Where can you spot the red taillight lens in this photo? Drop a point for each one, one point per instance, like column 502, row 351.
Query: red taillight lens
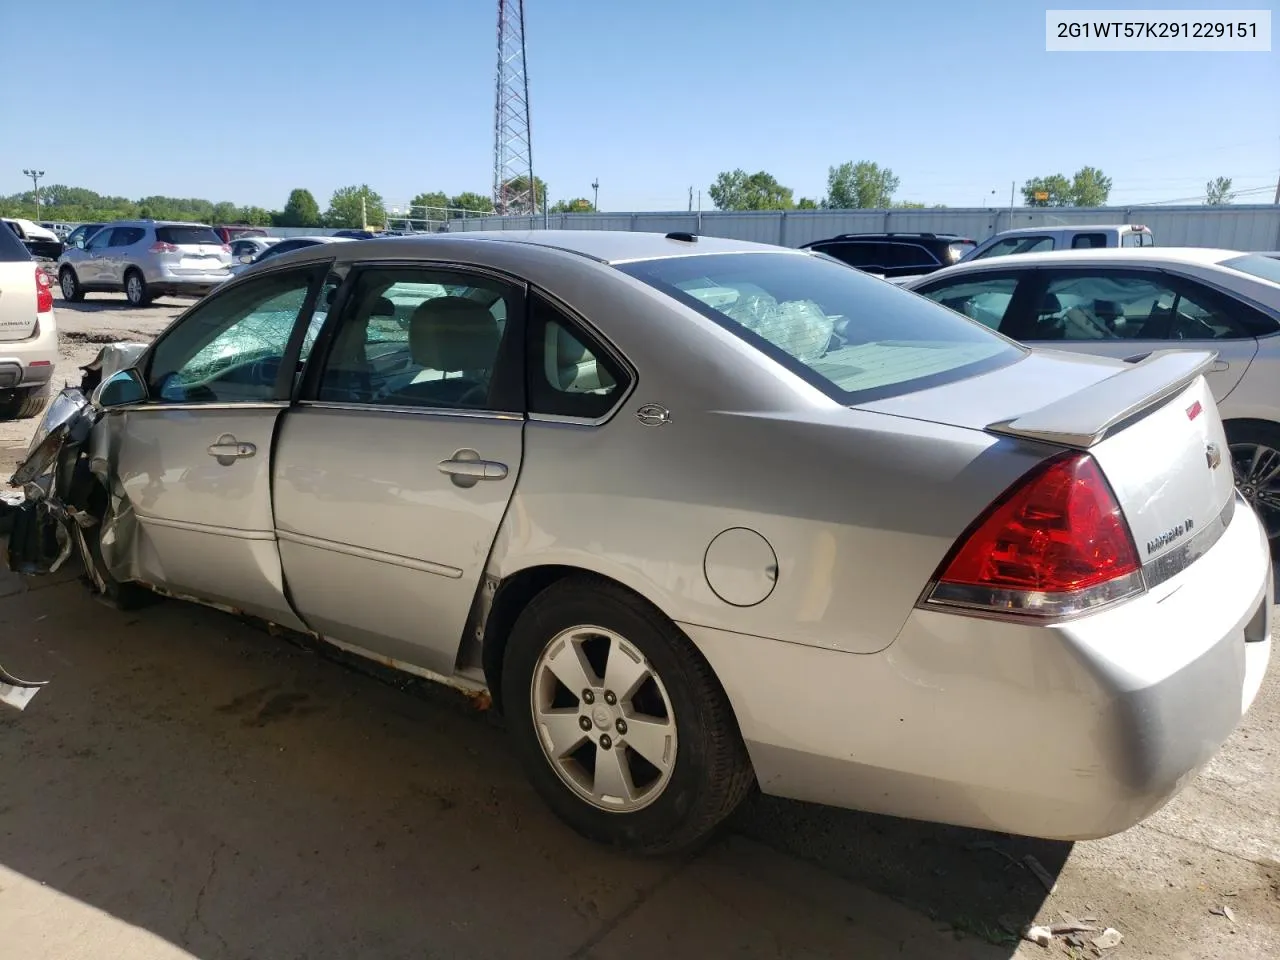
column 44, row 292
column 1056, row 543
column 161, row 247
column 226, row 248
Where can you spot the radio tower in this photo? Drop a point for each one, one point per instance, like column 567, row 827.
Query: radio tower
column 513, row 183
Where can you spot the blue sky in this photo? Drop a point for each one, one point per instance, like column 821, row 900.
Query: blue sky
column 243, row 101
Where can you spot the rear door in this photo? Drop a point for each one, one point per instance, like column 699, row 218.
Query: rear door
column 1127, row 313
column 194, row 460
column 17, row 288
column 394, row 471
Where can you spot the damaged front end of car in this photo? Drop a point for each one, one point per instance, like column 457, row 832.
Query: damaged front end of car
column 62, row 504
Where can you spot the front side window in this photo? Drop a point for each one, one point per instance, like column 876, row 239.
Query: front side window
column 230, row 347
column 1012, row 245
column 852, row 336
column 413, row 337
column 1132, row 305
column 100, row 239
column 1131, row 240
column 569, row 374
column 1256, row 265
column 985, row 299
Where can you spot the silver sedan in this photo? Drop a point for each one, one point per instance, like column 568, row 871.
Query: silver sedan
column 700, row 515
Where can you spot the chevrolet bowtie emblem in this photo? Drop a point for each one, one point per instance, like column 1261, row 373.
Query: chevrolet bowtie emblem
column 1213, row 455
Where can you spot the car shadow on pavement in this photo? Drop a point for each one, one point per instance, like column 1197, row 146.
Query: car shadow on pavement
column 191, row 779
column 107, row 303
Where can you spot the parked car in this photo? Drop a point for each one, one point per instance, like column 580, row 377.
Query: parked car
column 228, row 232
column 1128, row 303
column 698, row 514
column 81, row 234
column 28, row 332
column 246, row 249
column 40, row 243
column 145, row 259
column 1080, row 236
column 288, row 245
column 361, row 234
column 60, row 230
column 891, row 255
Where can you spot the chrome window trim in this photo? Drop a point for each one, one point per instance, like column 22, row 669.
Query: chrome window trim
column 351, row 407
column 157, row 406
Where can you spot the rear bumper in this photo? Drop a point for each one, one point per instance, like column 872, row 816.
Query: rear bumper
column 30, row 362
column 1070, row 732
column 165, row 280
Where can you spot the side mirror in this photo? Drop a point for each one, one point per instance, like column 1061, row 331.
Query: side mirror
column 246, row 258
column 80, row 242
column 121, row 389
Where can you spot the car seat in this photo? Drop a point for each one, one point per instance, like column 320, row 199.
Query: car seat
column 452, row 335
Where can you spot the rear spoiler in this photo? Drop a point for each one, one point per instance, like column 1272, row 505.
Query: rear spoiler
column 1082, row 419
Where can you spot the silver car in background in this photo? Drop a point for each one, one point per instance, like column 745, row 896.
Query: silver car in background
column 145, row 259
column 698, row 514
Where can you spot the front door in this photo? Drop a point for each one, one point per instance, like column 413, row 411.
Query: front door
column 393, row 473
column 1128, row 313
column 113, row 263
column 194, row 460
column 91, row 267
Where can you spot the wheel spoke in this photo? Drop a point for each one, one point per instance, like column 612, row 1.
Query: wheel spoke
column 651, row 737
column 561, row 729
column 613, row 777
column 622, row 672
column 571, row 667
column 1265, row 468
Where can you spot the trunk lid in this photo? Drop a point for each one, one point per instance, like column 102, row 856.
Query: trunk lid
column 17, row 299
column 1153, row 427
column 199, row 250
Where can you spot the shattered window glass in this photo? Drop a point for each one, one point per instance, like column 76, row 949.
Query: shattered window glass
column 229, row 349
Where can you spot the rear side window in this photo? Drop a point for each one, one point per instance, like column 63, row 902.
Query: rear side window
column 570, row 375
column 1087, row 241
column 850, row 335
column 187, row 236
column 12, row 250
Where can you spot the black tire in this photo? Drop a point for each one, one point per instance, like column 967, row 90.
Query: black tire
column 23, row 404
column 1256, row 433
column 137, row 293
column 118, row 594
column 69, row 284
column 711, row 775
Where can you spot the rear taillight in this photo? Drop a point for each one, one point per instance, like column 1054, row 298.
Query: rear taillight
column 226, row 248
column 161, row 247
column 44, row 292
column 1055, row 544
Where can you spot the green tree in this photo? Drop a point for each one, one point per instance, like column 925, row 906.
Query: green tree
column 1218, row 191
column 863, row 186
column 804, row 203
column 739, row 190
column 300, row 210
column 518, row 185
column 254, row 216
column 346, row 209
column 579, row 205
column 225, row 212
column 430, row 206
column 1056, row 188
column 908, row 205
column 469, row 204
column 1090, row 187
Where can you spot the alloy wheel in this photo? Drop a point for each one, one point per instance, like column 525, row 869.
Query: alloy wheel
column 1257, row 477
column 604, row 719
column 68, row 283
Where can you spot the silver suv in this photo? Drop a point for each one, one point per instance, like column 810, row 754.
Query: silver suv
column 145, row 259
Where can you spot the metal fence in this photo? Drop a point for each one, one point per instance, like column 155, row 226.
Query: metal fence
column 1233, row 227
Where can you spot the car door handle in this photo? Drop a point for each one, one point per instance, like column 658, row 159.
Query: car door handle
column 466, row 468
column 228, row 449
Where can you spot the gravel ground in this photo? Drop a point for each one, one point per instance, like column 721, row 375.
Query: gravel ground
column 189, row 785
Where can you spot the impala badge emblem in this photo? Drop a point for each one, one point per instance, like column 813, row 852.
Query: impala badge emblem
column 1213, row 455
column 653, row 415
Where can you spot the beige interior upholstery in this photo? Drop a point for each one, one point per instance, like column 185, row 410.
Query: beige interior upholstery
column 569, row 365
column 453, row 333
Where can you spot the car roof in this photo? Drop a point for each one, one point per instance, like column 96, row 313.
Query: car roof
column 895, row 235
column 605, row 246
column 1150, row 256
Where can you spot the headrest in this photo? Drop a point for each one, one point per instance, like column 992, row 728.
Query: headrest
column 1051, row 304
column 382, row 307
column 453, row 333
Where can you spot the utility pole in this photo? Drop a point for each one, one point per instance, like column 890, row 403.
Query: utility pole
column 595, row 202
column 1277, row 200
column 1012, row 185
column 691, row 199
column 364, row 214
column 35, row 176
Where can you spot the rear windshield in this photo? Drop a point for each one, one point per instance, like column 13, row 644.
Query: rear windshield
column 852, row 336
column 181, row 236
column 1254, row 264
column 12, row 250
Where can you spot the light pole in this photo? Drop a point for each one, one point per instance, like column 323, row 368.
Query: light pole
column 35, row 176
column 595, row 187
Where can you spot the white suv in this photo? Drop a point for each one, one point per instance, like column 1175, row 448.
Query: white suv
column 28, row 335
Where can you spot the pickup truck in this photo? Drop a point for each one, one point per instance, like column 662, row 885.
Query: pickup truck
column 41, row 243
column 1080, row 235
